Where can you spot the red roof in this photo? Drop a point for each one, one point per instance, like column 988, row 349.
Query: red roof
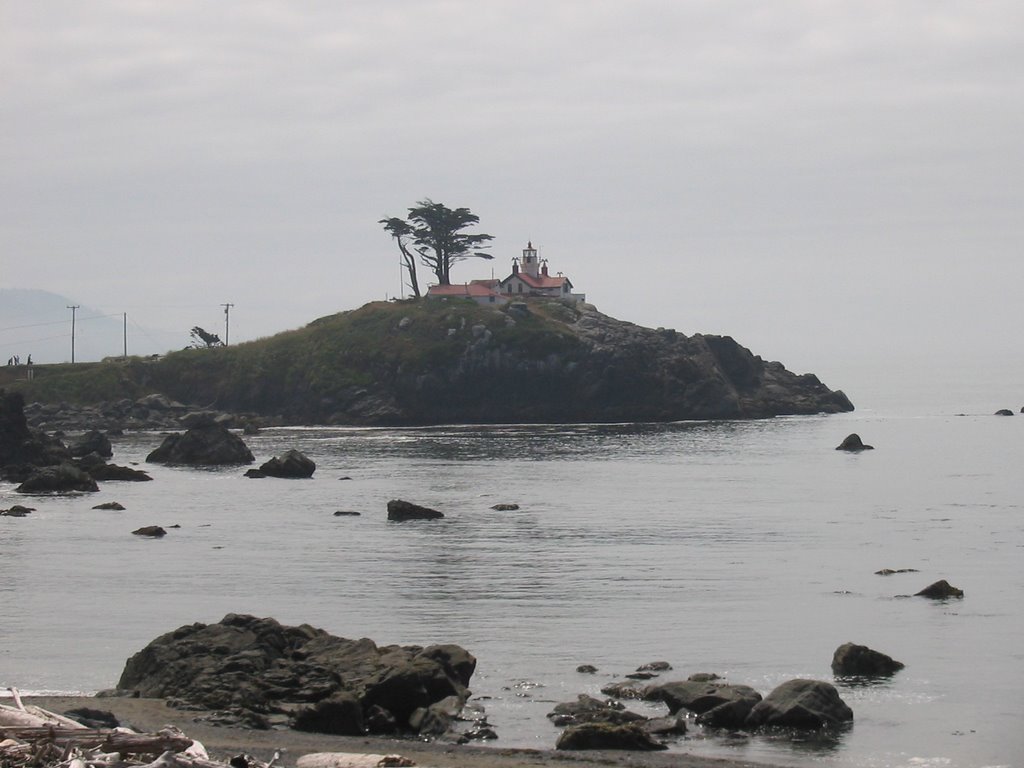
column 478, row 288
column 541, row 281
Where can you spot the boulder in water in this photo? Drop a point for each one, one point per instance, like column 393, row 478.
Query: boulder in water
column 940, row 590
column 699, row 697
column 290, row 464
column 92, row 441
column 99, row 469
column 399, row 510
column 851, row 660
column 803, row 704
column 62, row 478
column 202, row 446
column 852, row 442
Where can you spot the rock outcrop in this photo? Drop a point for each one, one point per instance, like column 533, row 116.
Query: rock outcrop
column 596, row 368
column 62, row 478
column 531, row 361
column 257, row 666
column 22, row 449
column 210, row 445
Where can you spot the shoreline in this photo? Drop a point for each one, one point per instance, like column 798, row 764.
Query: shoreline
column 223, row 742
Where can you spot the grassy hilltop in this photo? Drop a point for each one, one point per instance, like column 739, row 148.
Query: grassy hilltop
column 421, row 362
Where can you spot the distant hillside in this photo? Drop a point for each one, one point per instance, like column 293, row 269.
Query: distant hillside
column 431, row 362
column 38, row 323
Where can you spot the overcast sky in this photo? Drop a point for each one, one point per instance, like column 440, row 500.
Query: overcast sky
column 821, row 180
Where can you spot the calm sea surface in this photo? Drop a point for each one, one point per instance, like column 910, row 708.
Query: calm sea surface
column 742, row 548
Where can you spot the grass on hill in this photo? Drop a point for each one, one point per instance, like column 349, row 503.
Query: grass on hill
column 366, row 347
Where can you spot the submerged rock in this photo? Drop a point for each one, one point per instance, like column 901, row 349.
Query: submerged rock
column 17, row 510
column 587, row 709
column 1004, row 412
column 153, row 531
column 625, row 689
column 940, row 590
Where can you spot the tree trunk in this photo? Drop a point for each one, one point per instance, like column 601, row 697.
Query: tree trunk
column 410, row 266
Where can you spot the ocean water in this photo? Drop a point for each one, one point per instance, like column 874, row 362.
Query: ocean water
column 748, row 549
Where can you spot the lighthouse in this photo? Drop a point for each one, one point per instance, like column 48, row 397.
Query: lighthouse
column 529, row 264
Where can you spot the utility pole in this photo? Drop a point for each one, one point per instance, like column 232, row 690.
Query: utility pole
column 124, row 316
column 227, row 318
column 73, row 309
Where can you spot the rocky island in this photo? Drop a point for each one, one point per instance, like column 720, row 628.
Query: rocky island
column 452, row 360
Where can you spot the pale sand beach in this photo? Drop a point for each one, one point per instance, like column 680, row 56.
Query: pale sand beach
column 150, row 715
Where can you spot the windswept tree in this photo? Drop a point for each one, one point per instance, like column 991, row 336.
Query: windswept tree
column 203, row 339
column 438, row 238
column 402, row 232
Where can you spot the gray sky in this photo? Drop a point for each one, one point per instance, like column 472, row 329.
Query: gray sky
column 825, row 181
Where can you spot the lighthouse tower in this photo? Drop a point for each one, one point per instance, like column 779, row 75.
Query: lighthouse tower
column 530, row 264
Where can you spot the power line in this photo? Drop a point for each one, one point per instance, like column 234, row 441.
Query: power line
column 74, row 309
column 57, row 322
column 227, row 316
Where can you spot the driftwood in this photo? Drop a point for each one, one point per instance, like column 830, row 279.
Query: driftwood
column 33, row 717
column 31, row 737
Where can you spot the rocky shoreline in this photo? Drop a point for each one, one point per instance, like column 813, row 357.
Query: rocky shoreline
column 224, row 741
column 150, row 413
